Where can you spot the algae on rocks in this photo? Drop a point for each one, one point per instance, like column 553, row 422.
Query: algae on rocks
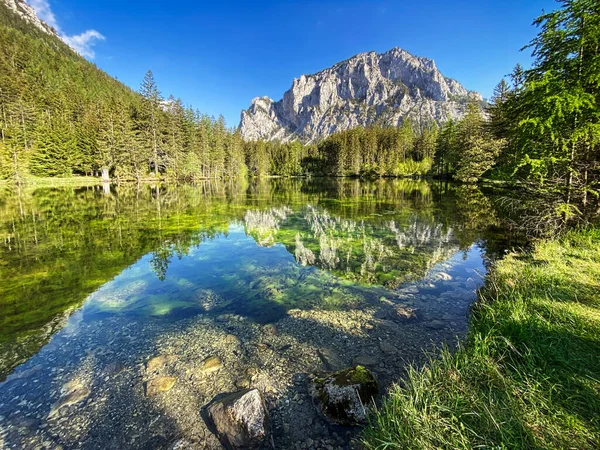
column 343, row 396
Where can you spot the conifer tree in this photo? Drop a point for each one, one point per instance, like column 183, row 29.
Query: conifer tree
column 151, row 116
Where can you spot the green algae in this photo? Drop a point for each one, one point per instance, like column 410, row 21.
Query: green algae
column 146, row 250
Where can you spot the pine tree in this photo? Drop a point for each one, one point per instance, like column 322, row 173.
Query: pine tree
column 478, row 149
column 151, row 116
column 557, row 110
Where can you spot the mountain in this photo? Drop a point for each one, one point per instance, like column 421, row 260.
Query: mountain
column 27, row 13
column 369, row 88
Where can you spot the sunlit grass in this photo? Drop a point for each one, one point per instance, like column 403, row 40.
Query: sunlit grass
column 529, row 374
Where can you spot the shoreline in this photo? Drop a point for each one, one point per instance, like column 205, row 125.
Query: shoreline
column 97, row 181
column 526, row 376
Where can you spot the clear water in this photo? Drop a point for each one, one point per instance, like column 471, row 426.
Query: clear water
column 82, row 267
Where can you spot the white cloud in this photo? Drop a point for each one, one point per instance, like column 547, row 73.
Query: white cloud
column 82, row 43
column 43, row 11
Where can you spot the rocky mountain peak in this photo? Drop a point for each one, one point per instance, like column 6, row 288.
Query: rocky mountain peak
column 27, row 13
column 368, row 88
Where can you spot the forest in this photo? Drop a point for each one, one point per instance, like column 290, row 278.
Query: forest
column 61, row 116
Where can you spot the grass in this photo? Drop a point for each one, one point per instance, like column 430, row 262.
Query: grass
column 527, row 377
column 55, row 181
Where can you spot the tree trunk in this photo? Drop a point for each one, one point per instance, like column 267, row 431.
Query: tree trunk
column 155, row 154
column 105, row 175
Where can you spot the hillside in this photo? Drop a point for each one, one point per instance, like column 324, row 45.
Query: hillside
column 61, row 116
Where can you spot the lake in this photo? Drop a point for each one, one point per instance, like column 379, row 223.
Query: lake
column 221, row 286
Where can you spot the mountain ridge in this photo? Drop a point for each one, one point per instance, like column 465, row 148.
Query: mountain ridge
column 27, row 13
column 365, row 89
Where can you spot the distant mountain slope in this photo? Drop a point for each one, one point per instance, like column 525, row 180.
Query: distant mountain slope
column 368, row 88
column 27, row 13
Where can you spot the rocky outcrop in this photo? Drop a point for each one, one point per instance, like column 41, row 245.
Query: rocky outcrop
column 366, row 89
column 26, row 12
column 343, row 396
column 241, row 419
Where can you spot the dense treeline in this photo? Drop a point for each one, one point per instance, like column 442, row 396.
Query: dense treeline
column 61, row 116
column 541, row 128
column 549, row 115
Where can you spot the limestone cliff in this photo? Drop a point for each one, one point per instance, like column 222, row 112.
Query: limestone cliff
column 366, row 89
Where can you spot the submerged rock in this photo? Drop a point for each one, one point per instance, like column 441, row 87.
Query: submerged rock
column 270, row 329
column 435, row 325
column 330, row 358
column 388, row 348
column 159, row 361
column 72, row 393
column 365, row 360
column 232, row 341
column 241, row 419
column 210, row 365
column 400, row 313
column 159, row 384
column 342, row 396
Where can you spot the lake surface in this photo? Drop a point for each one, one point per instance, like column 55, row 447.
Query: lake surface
column 271, row 282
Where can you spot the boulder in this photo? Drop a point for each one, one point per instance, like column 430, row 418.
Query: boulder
column 342, row 396
column 159, row 361
column 71, row 396
column 330, row 359
column 365, row 360
column 402, row 313
column 159, row 384
column 210, row 365
column 240, row 420
column 387, row 348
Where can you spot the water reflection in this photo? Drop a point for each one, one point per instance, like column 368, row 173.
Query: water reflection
column 219, row 248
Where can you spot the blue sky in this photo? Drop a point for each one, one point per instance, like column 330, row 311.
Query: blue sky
column 218, row 55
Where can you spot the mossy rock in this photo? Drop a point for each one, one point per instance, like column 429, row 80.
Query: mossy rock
column 343, row 396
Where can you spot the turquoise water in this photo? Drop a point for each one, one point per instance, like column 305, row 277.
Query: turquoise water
column 278, row 280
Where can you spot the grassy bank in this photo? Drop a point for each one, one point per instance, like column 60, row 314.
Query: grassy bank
column 528, row 376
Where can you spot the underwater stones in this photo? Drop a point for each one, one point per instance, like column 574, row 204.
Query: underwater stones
column 402, row 313
column 210, row 301
column 341, row 396
column 210, row 365
column 365, row 360
column 410, row 290
column 232, row 341
column 159, row 384
column 112, row 369
column 159, row 361
column 330, row 358
column 241, row 419
column 270, row 329
column 387, row 348
column 435, row 325
column 182, row 444
column 72, row 393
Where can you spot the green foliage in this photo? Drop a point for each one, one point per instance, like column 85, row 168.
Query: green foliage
column 478, row 148
column 550, row 117
column 61, row 116
column 527, row 376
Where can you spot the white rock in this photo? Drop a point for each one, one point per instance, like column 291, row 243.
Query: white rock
column 368, row 87
column 26, row 12
column 241, row 419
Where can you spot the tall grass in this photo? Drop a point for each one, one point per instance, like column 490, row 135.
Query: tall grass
column 528, row 376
